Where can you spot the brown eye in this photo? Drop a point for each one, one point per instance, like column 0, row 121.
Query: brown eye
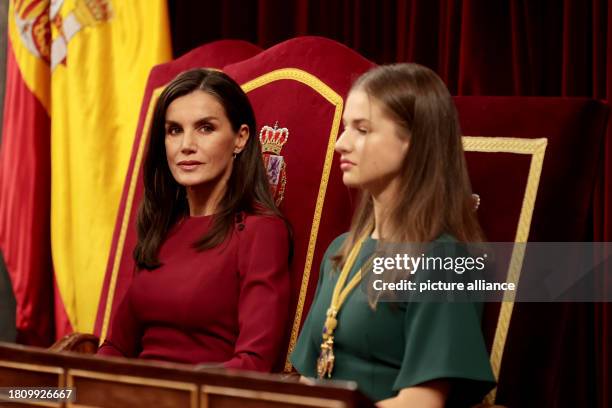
column 173, row 130
column 206, row 128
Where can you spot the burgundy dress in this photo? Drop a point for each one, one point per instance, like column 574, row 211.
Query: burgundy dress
column 224, row 305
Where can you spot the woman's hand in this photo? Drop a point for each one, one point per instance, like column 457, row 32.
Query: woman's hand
column 431, row 394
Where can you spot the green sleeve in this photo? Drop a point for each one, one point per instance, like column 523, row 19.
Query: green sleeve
column 444, row 340
column 305, row 354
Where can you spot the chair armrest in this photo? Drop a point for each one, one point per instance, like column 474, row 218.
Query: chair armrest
column 78, row 342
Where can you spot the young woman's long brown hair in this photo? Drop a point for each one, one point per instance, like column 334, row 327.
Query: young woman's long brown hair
column 435, row 195
column 165, row 201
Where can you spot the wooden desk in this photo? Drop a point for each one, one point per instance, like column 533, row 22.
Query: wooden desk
column 114, row 382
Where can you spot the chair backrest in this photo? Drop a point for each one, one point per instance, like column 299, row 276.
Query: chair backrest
column 533, row 162
column 291, row 88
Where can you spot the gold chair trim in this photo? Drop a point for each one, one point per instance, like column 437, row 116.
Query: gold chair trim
column 537, row 149
column 336, row 100
column 125, row 219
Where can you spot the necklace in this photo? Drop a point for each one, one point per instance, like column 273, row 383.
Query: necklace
column 325, row 362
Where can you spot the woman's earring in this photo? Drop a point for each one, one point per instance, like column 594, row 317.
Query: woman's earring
column 235, row 154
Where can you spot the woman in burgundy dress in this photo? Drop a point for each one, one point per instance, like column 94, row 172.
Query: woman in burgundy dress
column 212, row 284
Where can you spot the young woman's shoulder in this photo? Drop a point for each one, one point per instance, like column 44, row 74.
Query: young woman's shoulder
column 445, row 238
column 335, row 245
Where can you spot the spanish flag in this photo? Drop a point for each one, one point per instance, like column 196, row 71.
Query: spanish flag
column 25, row 168
column 76, row 73
column 101, row 55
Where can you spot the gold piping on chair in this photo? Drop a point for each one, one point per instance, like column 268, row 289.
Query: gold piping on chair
column 336, row 100
column 536, row 148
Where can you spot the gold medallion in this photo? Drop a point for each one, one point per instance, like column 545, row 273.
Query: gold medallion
column 325, row 363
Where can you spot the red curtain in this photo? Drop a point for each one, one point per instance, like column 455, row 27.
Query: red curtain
column 479, row 47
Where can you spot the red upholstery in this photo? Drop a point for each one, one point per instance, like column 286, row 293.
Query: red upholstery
column 309, row 118
column 539, row 333
column 573, row 128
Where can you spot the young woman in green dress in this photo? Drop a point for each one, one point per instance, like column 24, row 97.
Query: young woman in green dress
column 401, row 146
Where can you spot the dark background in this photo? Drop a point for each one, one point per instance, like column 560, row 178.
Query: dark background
column 479, row 47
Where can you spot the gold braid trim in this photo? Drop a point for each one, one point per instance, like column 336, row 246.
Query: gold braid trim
column 336, row 100
column 536, row 148
column 125, row 219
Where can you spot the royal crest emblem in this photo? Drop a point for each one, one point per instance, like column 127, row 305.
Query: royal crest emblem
column 86, row 13
column 272, row 141
column 45, row 32
column 32, row 20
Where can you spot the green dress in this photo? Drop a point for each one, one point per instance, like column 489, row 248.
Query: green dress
column 398, row 345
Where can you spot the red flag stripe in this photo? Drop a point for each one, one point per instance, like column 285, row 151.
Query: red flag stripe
column 25, row 206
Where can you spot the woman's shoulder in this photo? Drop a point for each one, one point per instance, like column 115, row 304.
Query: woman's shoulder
column 332, row 249
column 447, row 244
column 260, row 223
column 262, row 233
column 335, row 245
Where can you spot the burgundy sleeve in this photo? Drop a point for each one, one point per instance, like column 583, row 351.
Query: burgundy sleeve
column 124, row 336
column 263, row 306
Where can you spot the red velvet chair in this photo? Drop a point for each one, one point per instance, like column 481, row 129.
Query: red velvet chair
column 531, row 160
column 298, row 103
column 536, row 172
column 291, row 86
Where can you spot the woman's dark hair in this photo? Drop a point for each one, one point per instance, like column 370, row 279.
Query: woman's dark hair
column 435, row 195
column 165, row 201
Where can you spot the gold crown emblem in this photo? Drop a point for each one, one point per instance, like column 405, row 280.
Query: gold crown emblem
column 273, row 139
column 92, row 12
